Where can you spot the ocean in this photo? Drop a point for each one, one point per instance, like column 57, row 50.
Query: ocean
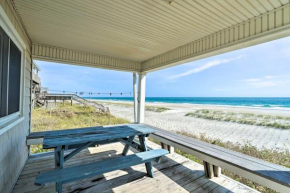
column 261, row 102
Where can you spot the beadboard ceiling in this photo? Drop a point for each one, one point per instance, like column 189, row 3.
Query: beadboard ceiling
column 134, row 30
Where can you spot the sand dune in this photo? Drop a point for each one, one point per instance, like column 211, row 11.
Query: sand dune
column 175, row 120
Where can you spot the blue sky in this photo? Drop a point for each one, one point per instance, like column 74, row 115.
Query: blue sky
column 258, row 71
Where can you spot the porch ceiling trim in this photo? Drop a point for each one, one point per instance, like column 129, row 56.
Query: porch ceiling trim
column 68, row 56
column 266, row 27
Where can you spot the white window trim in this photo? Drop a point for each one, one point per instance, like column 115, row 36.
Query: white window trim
column 9, row 118
column 11, row 124
column 10, row 121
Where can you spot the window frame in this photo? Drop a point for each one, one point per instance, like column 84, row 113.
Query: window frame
column 11, row 120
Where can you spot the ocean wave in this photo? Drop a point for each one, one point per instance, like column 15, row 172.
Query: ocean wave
column 233, row 102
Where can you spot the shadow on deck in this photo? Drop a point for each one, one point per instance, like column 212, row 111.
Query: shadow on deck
column 174, row 174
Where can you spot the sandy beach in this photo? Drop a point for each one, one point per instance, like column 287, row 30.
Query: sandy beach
column 175, row 120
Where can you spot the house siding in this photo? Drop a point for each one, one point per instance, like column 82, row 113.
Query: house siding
column 13, row 149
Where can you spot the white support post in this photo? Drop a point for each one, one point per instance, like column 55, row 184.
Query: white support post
column 135, row 94
column 141, row 98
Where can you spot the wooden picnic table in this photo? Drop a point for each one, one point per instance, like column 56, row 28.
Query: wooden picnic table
column 79, row 139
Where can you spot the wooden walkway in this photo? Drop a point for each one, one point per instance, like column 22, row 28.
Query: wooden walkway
column 73, row 97
column 174, row 174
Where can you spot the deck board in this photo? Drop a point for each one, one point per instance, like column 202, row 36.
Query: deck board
column 174, row 174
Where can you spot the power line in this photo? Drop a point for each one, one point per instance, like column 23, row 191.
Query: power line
column 91, row 93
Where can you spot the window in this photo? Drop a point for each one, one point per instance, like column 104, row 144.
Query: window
column 10, row 73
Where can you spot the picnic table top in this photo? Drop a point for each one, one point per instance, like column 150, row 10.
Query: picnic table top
column 100, row 133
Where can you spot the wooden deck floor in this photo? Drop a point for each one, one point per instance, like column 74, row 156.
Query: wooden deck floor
column 174, row 174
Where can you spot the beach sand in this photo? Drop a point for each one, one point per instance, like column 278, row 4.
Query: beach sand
column 175, row 120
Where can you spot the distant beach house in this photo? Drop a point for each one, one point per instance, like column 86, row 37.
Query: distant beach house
column 132, row 36
column 36, row 83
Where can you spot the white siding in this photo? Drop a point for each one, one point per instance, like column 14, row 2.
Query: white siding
column 13, row 149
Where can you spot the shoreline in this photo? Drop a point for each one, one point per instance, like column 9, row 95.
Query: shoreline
column 193, row 107
column 175, row 120
column 280, row 103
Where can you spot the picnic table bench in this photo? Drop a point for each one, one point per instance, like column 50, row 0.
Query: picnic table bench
column 80, row 139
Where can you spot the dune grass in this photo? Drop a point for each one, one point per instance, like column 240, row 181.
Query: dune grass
column 68, row 117
column 156, row 109
column 147, row 108
column 243, row 118
column 273, row 156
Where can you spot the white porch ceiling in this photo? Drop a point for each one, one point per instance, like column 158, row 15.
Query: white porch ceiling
column 134, row 30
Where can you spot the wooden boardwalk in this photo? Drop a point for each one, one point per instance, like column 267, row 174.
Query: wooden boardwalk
column 71, row 97
column 174, row 174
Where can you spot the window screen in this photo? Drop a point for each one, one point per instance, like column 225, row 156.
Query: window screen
column 10, row 73
column 14, row 79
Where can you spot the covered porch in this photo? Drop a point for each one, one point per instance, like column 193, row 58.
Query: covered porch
column 174, row 173
column 137, row 37
column 213, row 159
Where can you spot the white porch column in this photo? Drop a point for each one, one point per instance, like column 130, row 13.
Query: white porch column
column 141, row 98
column 135, row 94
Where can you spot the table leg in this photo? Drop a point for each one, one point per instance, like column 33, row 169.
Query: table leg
column 144, row 148
column 56, row 158
column 127, row 146
column 59, row 187
column 59, row 162
column 59, row 157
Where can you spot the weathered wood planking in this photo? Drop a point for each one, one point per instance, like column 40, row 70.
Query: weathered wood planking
column 169, row 176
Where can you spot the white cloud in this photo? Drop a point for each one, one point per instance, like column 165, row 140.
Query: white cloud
column 205, row 66
column 230, row 89
column 271, row 77
column 262, row 84
column 252, row 80
column 266, row 81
